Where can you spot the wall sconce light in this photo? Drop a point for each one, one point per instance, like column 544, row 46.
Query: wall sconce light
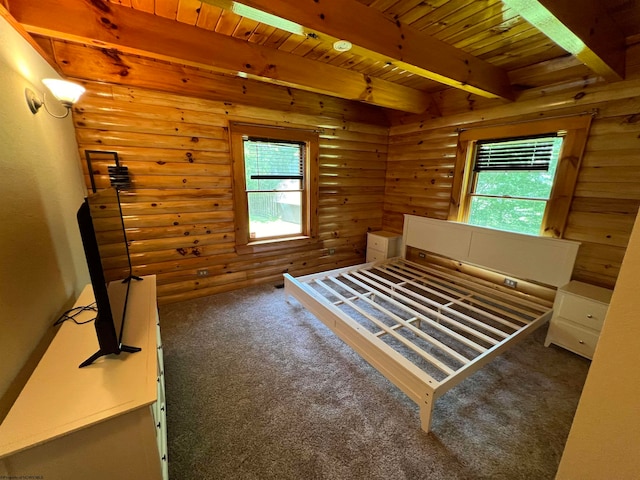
column 67, row 93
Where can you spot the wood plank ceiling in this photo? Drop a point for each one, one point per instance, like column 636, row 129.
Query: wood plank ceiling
column 403, row 50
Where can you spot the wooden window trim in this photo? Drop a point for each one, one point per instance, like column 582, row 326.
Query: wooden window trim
column 244, row 245
column 570, row 158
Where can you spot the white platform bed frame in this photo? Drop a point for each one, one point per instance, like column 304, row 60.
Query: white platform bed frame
column 427, row 327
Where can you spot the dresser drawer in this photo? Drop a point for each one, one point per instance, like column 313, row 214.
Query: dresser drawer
column 583, row 311
column 573, row 337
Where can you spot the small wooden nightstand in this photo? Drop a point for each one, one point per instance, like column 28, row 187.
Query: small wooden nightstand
column 382, row 245
column 578, row 314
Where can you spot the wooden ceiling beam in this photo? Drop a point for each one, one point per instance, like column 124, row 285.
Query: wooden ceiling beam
column 376, row 36
column 583, row 29
column 103, row 24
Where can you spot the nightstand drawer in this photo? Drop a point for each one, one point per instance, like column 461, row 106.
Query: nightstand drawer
column 377, row 242
column 375, row 255
column 580, row 310
column 573, row 337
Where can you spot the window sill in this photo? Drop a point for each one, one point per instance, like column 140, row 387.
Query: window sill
column 276, row 244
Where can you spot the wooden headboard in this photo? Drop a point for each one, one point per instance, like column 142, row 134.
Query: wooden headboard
column 540, row 259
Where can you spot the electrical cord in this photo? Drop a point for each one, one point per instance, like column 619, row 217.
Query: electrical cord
column 72, row 313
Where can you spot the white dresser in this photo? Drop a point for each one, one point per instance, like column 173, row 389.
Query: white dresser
column 578, row 314
column 104, row 421
column 382, row 245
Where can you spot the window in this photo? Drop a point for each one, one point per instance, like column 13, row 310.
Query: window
column 512, row 182
column 519, row 177
column 275, row 184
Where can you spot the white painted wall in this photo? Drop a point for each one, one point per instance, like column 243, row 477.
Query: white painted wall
column 42, row 265
column 605, row 435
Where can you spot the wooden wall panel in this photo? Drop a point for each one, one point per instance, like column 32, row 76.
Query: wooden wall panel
column 179, row 212
column 422, row 152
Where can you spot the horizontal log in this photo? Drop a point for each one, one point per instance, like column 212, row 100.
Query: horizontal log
column 154, row 154
column 607, row 158
column 115, row 139
column 330, row 154
column 181, row 243
column 614, row 141
column 423, row 211
column 426, row 165
column 601, row 236
column 121, row 123
column 610, row 174
column 343, row 172
column 111, row 239
column 364, row 199
column 613, row 223
column 346, row 145
column 441, row 190
column 444, row 135
column 348, row 190
column 151, row 233
column 607, row 190
column 159, row 181
column 333, row 135
column 331, row 216
column 444, row 156
column 421, row 176
column 343, row 163
column 616, row 125
column 606, row 206
column 327, row 213
column 176, row 207
column 333, row 231
column 432, row 206
column 159, row 220
column 160, row 167
column 202, row 283
column 429, row 198
column 161, row 194
column 333, row 181
column 88, row 106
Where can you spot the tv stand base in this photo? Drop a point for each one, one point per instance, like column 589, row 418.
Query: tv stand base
column 101, row 353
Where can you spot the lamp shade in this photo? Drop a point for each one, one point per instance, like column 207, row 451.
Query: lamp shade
column 66, row 92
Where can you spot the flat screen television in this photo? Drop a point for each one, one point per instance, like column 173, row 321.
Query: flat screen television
column 106, row 250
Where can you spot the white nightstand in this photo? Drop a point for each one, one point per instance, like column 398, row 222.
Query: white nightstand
column 578, row 313
column 382, row 245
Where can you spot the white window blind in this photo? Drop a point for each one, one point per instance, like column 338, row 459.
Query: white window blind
column 532, row 153
column 267, row 159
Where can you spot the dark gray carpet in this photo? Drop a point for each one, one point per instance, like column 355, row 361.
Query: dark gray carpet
column 261, row 389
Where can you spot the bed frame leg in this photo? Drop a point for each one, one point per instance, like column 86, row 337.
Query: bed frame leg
column 426, row 410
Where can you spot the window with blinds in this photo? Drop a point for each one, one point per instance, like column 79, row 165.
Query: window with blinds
column 274, row 179
column 512, row 181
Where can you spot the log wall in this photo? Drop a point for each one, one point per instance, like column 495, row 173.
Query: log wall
column 422, row 154
column 179, row 212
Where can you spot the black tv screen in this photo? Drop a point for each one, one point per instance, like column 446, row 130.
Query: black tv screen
column 105, row 245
